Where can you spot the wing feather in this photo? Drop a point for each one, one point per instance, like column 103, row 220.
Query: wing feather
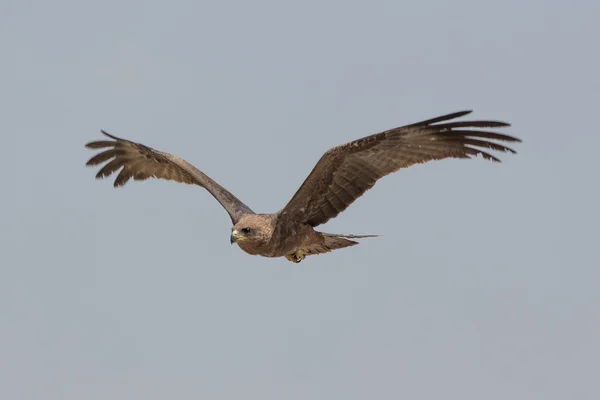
column 346, row 172
column 101, row 157
column 140, row 162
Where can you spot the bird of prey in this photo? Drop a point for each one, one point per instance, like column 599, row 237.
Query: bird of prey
column 343, row 174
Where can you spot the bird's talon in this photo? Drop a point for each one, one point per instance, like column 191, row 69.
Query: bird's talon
column 296, row 257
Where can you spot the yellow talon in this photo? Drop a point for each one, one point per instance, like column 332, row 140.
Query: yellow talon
column 296, row 257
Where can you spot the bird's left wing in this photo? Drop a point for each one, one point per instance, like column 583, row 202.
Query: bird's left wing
column 346, row 172
column 142, row 162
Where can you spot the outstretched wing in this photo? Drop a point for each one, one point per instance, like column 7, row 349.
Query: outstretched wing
column 142, row 162
column 346, row 172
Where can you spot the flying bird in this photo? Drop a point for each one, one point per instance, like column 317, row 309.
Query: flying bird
column 343, row 174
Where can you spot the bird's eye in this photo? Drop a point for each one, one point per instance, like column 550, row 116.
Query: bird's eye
column 246, row 231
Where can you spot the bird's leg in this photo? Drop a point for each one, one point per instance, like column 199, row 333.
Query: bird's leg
column 296, row 257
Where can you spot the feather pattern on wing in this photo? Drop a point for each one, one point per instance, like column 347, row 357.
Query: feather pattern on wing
column 346, row 172
column 134, row 160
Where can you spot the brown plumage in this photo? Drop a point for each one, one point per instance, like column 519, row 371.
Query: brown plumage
column 343, row 174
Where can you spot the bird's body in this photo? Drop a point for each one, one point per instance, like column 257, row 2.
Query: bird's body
column 342, row 175
column 276, row 235
column 276, row 239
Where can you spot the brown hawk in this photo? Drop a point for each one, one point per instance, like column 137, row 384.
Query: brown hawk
column 343, row 174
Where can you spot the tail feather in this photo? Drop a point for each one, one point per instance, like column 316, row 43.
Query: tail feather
column 349, row 236
column 333, row 242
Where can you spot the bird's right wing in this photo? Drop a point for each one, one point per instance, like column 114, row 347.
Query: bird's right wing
column 346, row 172
column 142, row 162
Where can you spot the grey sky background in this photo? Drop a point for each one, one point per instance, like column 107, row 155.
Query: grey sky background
column 484, row 285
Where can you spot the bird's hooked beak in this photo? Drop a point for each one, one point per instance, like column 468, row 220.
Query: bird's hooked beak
column 235, row 236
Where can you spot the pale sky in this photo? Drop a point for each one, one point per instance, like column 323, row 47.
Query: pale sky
column 485, row 284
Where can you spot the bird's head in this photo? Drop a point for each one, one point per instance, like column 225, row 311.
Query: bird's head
column 252, row 229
